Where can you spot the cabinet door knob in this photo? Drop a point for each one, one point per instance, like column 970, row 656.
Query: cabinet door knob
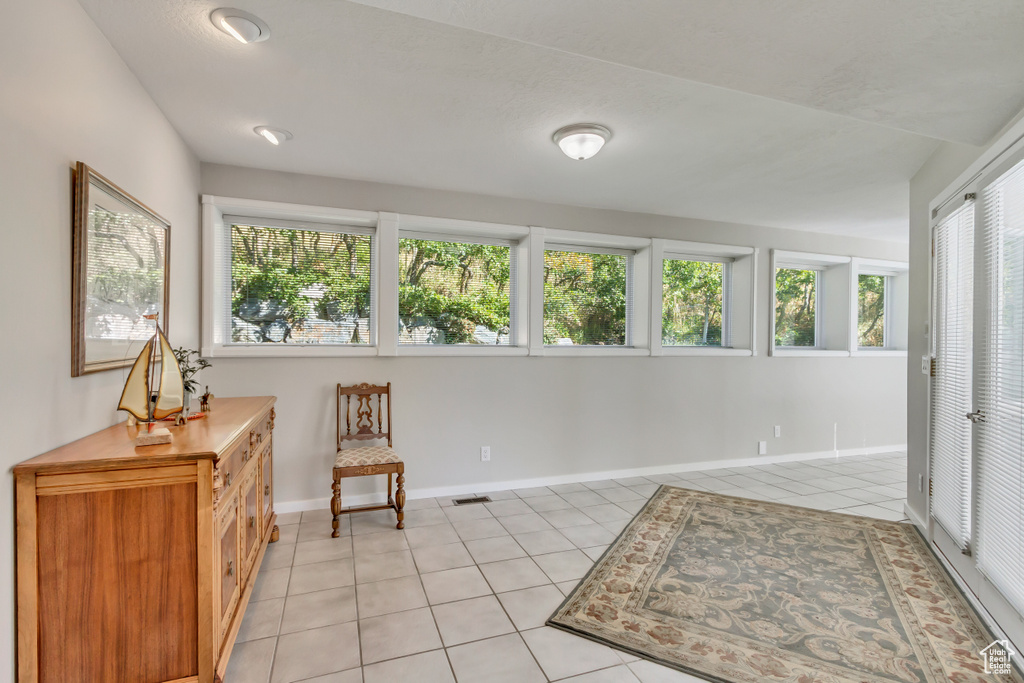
column 231, row 567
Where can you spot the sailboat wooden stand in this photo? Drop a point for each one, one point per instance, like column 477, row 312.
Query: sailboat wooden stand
column 139, row 398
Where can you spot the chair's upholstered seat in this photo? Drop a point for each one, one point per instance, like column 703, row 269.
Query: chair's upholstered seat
column 366, row 455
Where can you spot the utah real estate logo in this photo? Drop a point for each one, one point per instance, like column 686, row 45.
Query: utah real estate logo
column 997, row 657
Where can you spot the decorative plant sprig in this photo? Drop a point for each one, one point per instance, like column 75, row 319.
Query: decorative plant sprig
column 189, row 368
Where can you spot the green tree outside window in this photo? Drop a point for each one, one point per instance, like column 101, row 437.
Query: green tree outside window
column 795, row 307
column 454, row 292
column 692, row 303
column 299, row 286
column 585, row 298
column 871, row 310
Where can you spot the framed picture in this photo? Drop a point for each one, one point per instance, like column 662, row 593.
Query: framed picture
column 120, row 266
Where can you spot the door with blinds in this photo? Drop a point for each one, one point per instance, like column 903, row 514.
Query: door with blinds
column 977, row 402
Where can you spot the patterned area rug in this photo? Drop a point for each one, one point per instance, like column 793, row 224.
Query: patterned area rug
column 731, row 590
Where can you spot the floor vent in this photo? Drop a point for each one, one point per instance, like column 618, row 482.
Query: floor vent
column 470, row 501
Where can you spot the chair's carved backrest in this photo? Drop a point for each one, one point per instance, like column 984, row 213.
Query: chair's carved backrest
column 364, row 413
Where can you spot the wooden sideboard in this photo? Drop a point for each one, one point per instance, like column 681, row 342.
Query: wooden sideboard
column 135, row 565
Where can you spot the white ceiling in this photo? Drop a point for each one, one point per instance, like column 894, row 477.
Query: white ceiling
column 810, row 115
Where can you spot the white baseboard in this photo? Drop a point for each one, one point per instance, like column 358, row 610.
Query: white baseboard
column 486, row 487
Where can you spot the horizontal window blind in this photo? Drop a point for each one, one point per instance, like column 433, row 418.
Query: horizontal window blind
column 294, row 286
column 454, row 291
column 953, row 307
column 1000, row 386
column 696, row 298
column 587, row 296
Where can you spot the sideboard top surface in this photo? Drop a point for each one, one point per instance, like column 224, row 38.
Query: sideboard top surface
column 115, row 446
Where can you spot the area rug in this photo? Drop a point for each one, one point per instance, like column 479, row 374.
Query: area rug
column 731, row 590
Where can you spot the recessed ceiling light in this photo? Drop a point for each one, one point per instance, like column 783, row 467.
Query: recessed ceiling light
column 242, row 26
column 274, row 136
column 581, row 140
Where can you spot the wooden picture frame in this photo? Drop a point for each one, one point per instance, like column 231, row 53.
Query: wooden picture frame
column 121, row 264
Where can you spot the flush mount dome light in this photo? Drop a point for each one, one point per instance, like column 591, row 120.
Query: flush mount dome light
column 274, row 136
column 242, row 26
column 581, row 140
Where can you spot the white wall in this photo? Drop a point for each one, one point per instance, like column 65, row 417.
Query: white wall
column 545, row 417
column 66, row 96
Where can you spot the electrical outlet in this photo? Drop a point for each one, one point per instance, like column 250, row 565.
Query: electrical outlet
column 778, row 431
column 926, row 365
column 485, row 454
column 762, row 447
column 920, row 482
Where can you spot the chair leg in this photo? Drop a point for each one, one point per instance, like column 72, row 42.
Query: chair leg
column 400, row 501
column 335, row 505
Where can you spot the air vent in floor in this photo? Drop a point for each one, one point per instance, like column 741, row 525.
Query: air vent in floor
column 470, row 501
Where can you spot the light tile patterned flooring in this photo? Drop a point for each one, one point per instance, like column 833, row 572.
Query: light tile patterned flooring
column 462, row 593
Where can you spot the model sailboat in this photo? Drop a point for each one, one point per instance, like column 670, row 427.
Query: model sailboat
column 148, row 403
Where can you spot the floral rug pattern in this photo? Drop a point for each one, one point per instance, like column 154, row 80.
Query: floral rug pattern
column 734, row 590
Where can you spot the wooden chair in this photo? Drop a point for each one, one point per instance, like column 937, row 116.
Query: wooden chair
column 358, row 417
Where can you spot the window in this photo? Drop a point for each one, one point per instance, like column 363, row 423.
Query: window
column 952, row 382
column 796, row 307
column 587, row 296
column 702, row 301
column 880, row 305
column 694, row 302
column 298, row 286
column 288, row 280
column 455, row 292
column 813, row 304
column 999, row 389
column 871, row 305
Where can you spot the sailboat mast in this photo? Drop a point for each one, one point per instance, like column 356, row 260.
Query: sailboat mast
column 152, row 364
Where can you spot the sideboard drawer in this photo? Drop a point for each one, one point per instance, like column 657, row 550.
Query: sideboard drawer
column 228, row 469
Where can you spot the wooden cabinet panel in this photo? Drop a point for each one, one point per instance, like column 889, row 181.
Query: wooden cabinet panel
column 250, row 518
column 132, row 562
column 267, row 482
column 106, row 565
column 227, row 529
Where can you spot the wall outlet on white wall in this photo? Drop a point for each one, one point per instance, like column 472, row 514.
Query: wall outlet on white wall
column 778, row 431
column 926, row 365
column 920, row 482
column 485, row 454
column 762, row 447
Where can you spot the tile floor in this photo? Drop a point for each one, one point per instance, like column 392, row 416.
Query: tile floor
column 463, row 592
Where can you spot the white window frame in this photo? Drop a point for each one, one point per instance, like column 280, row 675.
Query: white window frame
column 831, row 302
column 897, row 301
column 739, row 313
column 452, row 230
column 637, row 316
column 213, row 324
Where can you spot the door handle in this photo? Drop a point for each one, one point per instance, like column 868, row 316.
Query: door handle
column 977, row 417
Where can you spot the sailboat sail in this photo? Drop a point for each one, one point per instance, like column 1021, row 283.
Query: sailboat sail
column 135, row 397
column 171, row 395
